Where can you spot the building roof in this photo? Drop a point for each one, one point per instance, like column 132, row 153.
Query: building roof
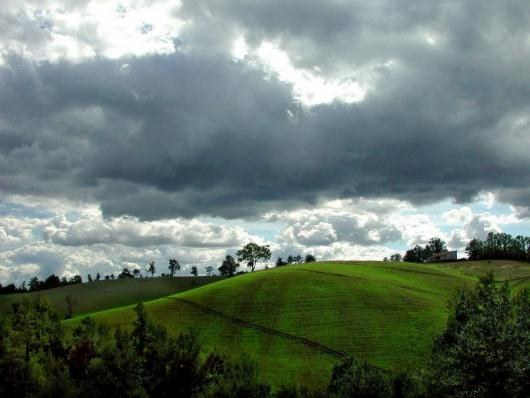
column 441, row 254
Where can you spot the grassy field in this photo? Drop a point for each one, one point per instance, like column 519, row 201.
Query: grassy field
column 105, row 294
column 296, row 321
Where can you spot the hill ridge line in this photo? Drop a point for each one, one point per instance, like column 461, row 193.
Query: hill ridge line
column 292, row 337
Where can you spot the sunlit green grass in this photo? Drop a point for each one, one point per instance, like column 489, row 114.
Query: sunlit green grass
column 385, row 313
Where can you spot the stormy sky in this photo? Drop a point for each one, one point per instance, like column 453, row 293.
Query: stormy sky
column 134, row 131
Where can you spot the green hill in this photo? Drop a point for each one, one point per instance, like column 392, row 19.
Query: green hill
column 297, row 321
column 105, row 294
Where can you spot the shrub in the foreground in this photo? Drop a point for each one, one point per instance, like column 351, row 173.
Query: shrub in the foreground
column 485, row 351
column 351, row 378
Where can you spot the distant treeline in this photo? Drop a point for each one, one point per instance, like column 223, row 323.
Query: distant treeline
column 420, row 254
column 296, row 259
column 250, row 254
column 497, row 246
column 35, row 284
column 482, row 353
column 500, row 246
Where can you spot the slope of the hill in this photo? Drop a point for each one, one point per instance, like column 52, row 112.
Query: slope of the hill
column 107, row 294
column 297, row 320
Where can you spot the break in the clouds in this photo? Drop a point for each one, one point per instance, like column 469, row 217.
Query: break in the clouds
column 160, row 114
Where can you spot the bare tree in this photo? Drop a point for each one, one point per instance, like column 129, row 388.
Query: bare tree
column 151, row 268
column 69, row 305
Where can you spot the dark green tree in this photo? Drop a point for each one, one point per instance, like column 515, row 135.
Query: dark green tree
column 251, row 253
column 34, row 284
column 435, row 245
column 125, row 273
column 396, row 257
column 151, row 268
column 309, row 258
column 354, row 379
column 280, row 262
column 485, row 350
column 229, row 266
column 194, row 270
column 174, row 266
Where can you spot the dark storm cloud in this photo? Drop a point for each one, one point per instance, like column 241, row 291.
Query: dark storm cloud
column 162, row 136
column 335, row 33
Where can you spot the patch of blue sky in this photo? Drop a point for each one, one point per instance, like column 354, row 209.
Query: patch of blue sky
column 22, row 211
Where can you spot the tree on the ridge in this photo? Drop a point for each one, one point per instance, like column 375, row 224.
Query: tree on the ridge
column 309, row 258
column 194, row 270
column 151, row 268
column 209, row 270
column 251, row 253
column 436, row 245
column 174, row 266
column 98, row 276
column 395, row 257
column 229, row 266
column 125, row 274
column 280, row 262
column 136, row 272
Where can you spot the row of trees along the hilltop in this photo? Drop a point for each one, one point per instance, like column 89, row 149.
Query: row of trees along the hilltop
column 35, row 284
column 500, row 246
column 420, row 254
column 497, row 246
column 250, row 255
column 484, row 352
column 230, row 264
column 298, row 259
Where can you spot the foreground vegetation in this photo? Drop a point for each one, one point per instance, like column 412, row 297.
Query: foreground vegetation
column 484, row 351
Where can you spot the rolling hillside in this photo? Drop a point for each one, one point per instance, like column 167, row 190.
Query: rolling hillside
column 105, row 294
column 297, row 321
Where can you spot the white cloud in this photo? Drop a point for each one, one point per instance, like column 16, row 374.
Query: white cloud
column 55, row 30
column 309, row 87
column 91, row 228
column 17, row 230
column 472, row 226
column 458, row 216
column 366, row 222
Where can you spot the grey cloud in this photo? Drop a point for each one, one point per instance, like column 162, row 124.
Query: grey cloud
column 181, row 135
column 184, row 135
column 520, row 198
